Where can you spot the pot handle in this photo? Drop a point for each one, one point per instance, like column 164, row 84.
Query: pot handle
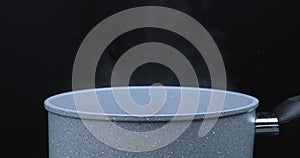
column 267, row 123
column 288, row 110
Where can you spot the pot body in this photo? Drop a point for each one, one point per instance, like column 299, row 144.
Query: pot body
column 232, row 136
column 72, row 134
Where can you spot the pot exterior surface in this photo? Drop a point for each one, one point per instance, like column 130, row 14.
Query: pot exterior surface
column 232, row 136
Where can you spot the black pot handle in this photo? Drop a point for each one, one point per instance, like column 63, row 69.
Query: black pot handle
column 288, row 110
column 267, row 123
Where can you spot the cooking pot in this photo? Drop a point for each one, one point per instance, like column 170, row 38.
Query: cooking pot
column 85, row 131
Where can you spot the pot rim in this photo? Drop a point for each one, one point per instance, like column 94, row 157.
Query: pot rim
column 50, row 107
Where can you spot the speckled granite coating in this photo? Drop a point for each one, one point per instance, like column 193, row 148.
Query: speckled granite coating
column 231, row 137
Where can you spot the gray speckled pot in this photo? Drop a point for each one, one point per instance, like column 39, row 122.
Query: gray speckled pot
column 232, row 135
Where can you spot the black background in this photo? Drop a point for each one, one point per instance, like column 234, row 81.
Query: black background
column 39, row 40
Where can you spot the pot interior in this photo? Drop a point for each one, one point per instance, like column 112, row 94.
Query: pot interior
column 177, row 101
